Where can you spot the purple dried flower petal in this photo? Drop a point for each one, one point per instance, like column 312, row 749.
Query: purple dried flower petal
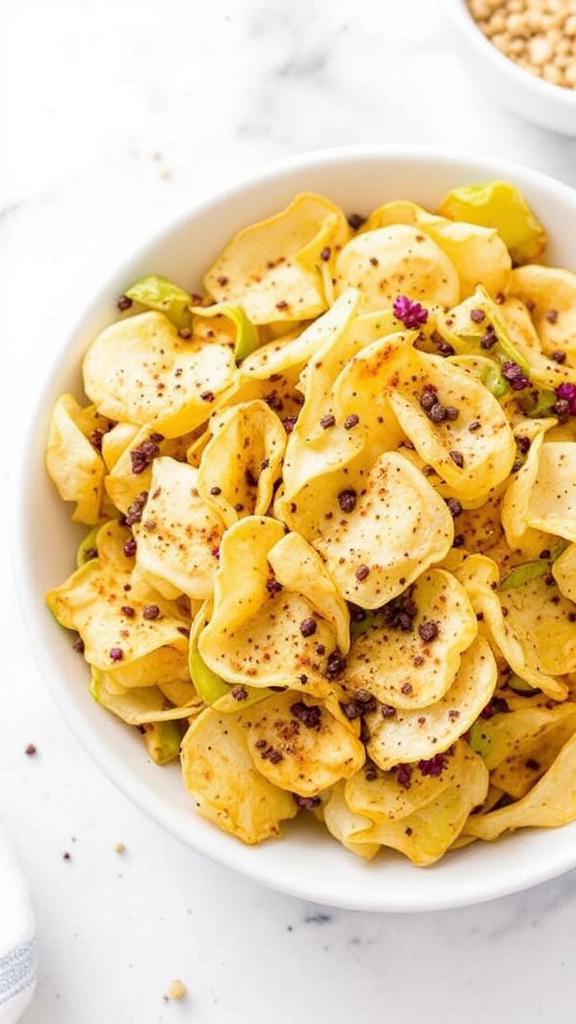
column 411, row 313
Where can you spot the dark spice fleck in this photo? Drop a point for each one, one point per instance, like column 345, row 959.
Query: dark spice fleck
column 95, row 438
column 239, row 693
column 474, row 425
column 222, row 280
column 445, row 348
column 347, row 500
column 215, row 491
column 489, row 338
column 307, row 803
column 150, row 612
column 325, row 253
column 142, row 456
column 400, row 612
column 273, row 586
column 387, row 711
column 454, row 506
column 130, row 547
column 428, row 630
column 559, row 356
column 459, row 541
column 515, row 376
column 552, row 316
column 351, row 421
column 308, row 627
column 327, row 421
column 309, row 714
column 362, row 572
column 116, row 653
column 429, row 397
column 356, row 220
column 457, row 458
column 336, row 665
column 477, row 315
column 207, row 396
column 135, row 509
column 123, row 303
column 128, row 611
column 78, row 645
column 432, row 765
column 404, row 775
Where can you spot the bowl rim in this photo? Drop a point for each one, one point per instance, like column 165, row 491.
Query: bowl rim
column 557, row 94
column 211, row 843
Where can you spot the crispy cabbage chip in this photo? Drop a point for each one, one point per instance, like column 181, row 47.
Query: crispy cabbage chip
column 242, row 461
column 118, row 626
column 73, row 460
column 329, row 498
column 398, row 527
column 551, row 802
column 259, row 633
column 550, row 294
column 178, row 533
column 401, row 667
column 128, row 360
column 274, row 269
column 301, row 747
column 478, row 253
column 419, row 815
column 413, row 734
column 228, row 790
column 396, row 260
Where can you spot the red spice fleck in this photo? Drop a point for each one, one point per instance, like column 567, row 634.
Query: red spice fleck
column 30, row 750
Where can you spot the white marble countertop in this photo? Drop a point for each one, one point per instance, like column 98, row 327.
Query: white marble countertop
column 120, row 113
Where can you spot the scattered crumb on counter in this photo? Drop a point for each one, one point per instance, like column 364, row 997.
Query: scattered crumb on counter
column 66, row 855
column 31, row 749
column 120, row 848
column 176, row 990
column 317, row 918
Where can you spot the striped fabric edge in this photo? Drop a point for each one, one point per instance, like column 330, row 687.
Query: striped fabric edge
column 17, row 969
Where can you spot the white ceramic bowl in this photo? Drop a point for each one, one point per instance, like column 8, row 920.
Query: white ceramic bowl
column 305, row 862
column 550, row 106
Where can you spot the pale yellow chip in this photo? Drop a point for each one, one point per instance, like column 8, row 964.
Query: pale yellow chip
column 481, row 576
column 550, row 294
column 119, row 620
column 73, row 462
column 297, row 566
column 345, row 825
column 411, row 735
column 397, row 260
column 131, row 473
column 550, row 803
column 139, row 705
column 564, row 572
column 401, row 667
column 478, row 253
column 519, row 746
column 220, row 775
column 273, row 269
column 535, row 613
column 301, row 746
column 127, row 362
column 398, row 527
column 178, row 534
column 429, row 831
column 242, row 461
column 542, row 496
column 256, row 635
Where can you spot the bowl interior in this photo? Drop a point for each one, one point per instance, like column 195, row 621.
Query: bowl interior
column 305, row 862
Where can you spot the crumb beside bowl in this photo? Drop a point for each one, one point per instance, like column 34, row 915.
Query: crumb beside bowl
column 305, row 862
column 525, row 93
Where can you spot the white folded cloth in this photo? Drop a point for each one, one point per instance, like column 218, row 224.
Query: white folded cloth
column 18, row 958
